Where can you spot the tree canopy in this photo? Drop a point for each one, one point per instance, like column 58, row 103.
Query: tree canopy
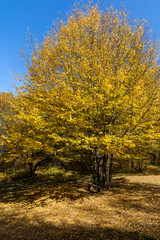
column 92, row 85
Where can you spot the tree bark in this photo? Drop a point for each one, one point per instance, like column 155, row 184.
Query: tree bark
column 32, row 172
column 107, row 171
column 111, row 171
column 102, row 168
column 34, row 168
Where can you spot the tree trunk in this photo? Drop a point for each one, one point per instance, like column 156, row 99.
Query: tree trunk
column 102, row 168
column 130, row 164
column 98, row 170
column 110, row 171
column 155, row 159
column 121, row 164
column 107, row 171
column 139, row 166
column 31, row 168
column 34, row 168
column 94, row 170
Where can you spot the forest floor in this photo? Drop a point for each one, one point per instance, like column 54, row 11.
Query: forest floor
column 66, row 210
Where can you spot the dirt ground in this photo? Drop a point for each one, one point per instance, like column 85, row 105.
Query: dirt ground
column 54, row 211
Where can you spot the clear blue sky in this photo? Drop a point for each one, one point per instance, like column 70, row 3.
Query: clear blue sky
column 16, row 16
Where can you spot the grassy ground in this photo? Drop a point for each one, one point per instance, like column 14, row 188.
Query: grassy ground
column 62, row 208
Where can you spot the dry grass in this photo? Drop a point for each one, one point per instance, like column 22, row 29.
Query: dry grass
column 152, row 179
column 68, row 211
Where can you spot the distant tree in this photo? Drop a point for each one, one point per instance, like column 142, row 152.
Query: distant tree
column 5, row 108
column 92, row 86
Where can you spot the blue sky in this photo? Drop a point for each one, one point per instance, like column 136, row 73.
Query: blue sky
column 16, row 16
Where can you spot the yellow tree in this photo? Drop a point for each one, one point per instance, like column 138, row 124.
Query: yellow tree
column 34, row 133
column 5, row 107
column 93, row 85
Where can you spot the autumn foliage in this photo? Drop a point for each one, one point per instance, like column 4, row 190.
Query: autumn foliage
column 91, row 86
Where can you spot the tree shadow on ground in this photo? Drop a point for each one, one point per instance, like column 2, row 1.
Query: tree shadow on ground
column 140, row 197
column 152, row 170
column 13, row 228
column 125, row 193
column 32, row 192
column 123, row 196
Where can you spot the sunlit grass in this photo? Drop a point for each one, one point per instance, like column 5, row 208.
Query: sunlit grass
column 57, row 172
